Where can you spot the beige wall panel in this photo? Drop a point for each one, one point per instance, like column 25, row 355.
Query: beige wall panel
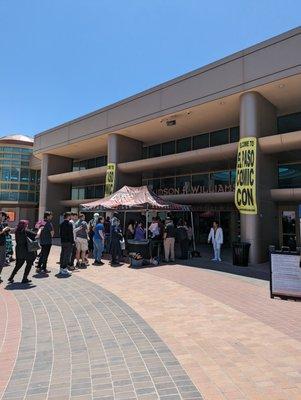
column 54, row 137
column 272, row 59
column 133, row 109
column 207, row 83
column 88, row 125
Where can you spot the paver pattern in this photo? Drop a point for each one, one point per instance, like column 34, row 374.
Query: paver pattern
column 80, row 341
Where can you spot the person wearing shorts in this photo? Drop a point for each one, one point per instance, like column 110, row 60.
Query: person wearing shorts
column 81, row 241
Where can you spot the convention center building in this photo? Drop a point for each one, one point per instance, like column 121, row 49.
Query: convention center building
column 181, row 138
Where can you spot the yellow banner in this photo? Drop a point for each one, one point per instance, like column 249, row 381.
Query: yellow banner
column 110, row 179
column 245, row 183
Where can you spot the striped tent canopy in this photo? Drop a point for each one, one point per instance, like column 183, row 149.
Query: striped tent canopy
column 133, row 198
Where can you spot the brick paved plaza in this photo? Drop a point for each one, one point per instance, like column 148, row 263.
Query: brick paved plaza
column 169, row 332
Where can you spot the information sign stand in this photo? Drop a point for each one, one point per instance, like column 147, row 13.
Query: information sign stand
column 285, row 275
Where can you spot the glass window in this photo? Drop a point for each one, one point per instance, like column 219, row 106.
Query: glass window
column 99, row 191
column 89, row 192
column 13, row 196
column 23, row 197
column 154, row 184
column 6, row 174
column 183, row 182
column 24, row 175
column 183, row 145
column 289, row 176
column 74, row 193
column 75, row 166
column 83, row 165
column 289, row 123
column 168, row 148
column 81, row 193
column 167, row 183
column 31, row 197
column 154, row 151
column 15, row 174
column 4, row 186
column 289, row 229
column 220, row 178
column 14, row 186
column 91, row 163
column 234, row 134
column 4, row 196
column 200, row 141
column 233, row 176
column 32, row 176
column 100, row 161
column 220, row 137
column 200, row 180
column 144, row 152
column 24, row 187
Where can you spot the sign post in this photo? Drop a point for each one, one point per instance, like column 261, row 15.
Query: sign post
column 245, row 184
column 110, row 179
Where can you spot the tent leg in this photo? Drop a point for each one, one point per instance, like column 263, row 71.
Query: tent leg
column 124, row 221
column 146, row 233
column 193, row 235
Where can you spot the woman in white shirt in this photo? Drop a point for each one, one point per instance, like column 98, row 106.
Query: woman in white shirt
column 217, row 239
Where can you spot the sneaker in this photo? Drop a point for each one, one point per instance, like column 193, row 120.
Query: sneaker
column 77, row 265
column 213, row 259
column 219, row 259
column 71, row 268
column 64, row 271
column 83, row 265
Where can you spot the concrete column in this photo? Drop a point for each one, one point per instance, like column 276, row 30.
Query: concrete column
column 258, row 118
column 123, row 149
column 51, row 193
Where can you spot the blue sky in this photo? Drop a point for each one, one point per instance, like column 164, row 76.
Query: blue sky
column 60, row 59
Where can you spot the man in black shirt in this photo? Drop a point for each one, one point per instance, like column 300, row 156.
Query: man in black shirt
column 67, row 242
column 3, row 230
column 45, row 234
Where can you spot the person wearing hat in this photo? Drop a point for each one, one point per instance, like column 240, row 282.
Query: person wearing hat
column 3, row 231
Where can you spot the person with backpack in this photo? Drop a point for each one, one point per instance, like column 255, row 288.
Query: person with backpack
column 182, row 238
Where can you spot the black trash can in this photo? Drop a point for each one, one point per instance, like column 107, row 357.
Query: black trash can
column 139, row 246
column 240, row 252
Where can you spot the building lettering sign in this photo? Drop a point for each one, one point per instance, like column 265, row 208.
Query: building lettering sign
column 110, row 179
column 245, row 184
column 187, row 189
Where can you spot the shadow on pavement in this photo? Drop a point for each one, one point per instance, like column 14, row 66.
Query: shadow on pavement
column 61, row 276
column 19, row 286
column 40, row 276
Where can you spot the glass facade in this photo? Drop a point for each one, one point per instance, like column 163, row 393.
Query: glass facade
column 204, row 140
column 289, row 123
column 87, row 192
column 17, row 181
column 89, row 163
column 193, row 183
column 289, row 176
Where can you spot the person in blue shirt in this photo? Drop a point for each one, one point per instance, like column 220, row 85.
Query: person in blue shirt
column 98, row 241
column 139, row 231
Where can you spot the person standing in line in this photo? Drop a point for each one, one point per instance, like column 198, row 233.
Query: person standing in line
column 107, row 229
column 217, row 239
column 22, row 235
column 115, row 246
column 169, row 240
column 98, row 241
column 45, row 234
column 73, row 220
column 182, row 237
column 67, row 243
column 3, row 231
column 81, row 241
column 91, row 229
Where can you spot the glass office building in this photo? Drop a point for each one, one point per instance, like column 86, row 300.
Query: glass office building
column 19, row 182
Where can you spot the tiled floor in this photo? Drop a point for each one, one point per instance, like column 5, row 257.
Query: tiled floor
column 119, row 333
column 80, row 341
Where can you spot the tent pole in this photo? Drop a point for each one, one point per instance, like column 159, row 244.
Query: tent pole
column 146, row 233
column 192, row 227
column 124, row 221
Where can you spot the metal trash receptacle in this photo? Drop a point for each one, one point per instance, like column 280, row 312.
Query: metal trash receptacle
column 240, row 253
column 139, row 246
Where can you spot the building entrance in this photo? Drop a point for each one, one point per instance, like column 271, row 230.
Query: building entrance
column 228, row 220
